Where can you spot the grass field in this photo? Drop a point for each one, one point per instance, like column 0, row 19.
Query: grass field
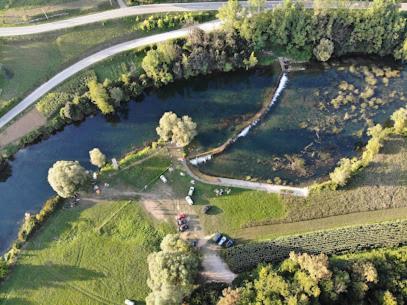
column 229, row 212
column 22, row 12
column 68, row 262
column 137, row 174
column 51, row 52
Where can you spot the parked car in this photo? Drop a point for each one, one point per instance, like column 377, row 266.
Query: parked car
column 183, row 228
column 182, row 221
column 129, row 302
column 163, row 179
column 229, row 243
column 191, row 191
column 189, row 200
column 222, row 241
column 217, row 237
column 206, row 208
column 194, row 243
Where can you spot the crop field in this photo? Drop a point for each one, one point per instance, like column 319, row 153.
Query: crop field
column 349, row 239
column 69, row 262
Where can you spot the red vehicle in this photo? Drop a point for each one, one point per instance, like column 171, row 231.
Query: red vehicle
column 181, row 216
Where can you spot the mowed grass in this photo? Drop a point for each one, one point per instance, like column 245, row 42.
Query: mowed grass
column 139, row 174
column 229, row 212
column 69, row 262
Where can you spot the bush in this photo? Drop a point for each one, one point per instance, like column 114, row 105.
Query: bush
column 324, row 50
column 52, row 102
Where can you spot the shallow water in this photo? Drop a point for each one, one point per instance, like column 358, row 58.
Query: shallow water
column 297, row 141
column 216, row 103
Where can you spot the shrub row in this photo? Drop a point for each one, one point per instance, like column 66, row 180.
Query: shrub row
column 30, row 225
column 344, row 240
column 169, row 21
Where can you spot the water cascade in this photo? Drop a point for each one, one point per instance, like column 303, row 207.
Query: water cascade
column 279, row 90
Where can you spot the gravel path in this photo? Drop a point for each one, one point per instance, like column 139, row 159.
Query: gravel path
column 271, row 188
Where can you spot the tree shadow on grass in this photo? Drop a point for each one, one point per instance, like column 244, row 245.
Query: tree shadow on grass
column 214, row 211
column 15, row 301
column 34, row 277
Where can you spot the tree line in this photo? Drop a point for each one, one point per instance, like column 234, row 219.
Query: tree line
column 327, row 29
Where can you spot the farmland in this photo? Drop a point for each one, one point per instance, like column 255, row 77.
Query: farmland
column 351, row 239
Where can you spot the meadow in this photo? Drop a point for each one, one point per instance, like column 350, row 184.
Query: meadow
column 69, row 262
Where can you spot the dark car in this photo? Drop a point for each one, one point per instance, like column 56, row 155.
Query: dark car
column 183, row 227
column 216, row 238
column 229, row 243
column 206, row 208
column 194, row 243
column 182, row 221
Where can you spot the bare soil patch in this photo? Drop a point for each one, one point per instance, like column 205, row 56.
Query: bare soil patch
column 25, row 124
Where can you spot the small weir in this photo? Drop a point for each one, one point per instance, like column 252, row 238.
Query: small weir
column 204, row 157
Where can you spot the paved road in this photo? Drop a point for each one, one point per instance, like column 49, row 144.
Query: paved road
column 95, row 58
column 114, row 14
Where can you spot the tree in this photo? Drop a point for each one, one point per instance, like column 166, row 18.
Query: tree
column 176, row 130
column 174, row 243
column 3, row 268
column 173, row 271
column 230, row 296
column 117, row 95
column 66, row 177
column 342, row 173
column 157, row 63
column 229, row 14
column 399, row 118
column 99, row 96
column 97, row 158
column 324, row 50
column 257, row 5
column 251, row 62
column 184, row 131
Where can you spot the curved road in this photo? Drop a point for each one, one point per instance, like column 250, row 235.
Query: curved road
column 114, row 14
column 95, row 58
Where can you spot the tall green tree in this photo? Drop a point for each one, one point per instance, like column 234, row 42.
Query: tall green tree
column 66, row 177
column 98, row 94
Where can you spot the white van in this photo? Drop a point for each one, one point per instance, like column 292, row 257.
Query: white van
column 189, row 200
column 163, row 179
column 191, row 191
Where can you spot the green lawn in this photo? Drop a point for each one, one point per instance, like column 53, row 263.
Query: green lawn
column 68, row 262
column 137, row 175
column 51, row 52
column 229, row 212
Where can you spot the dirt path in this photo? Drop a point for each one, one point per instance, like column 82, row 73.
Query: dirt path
column 27, row 123
column 163, row 204
column 258, row 186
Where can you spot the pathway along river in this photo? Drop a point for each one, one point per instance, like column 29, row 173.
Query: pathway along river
column 216, row 103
